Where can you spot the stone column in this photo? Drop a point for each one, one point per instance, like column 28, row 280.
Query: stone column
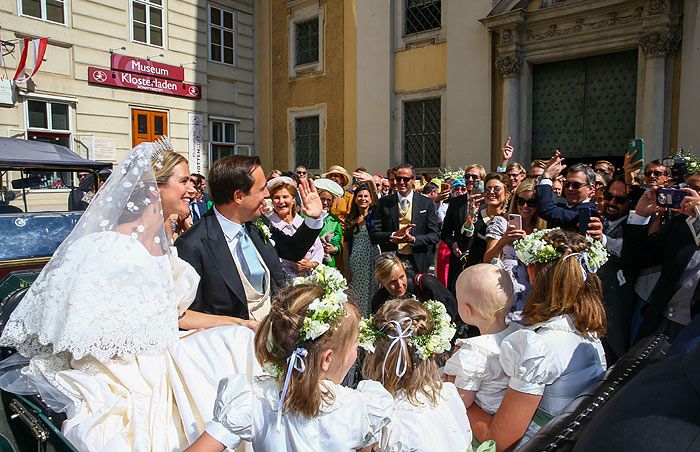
column 508, row 67
column 656, row 46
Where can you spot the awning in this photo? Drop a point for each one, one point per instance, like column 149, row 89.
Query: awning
column 20, row 154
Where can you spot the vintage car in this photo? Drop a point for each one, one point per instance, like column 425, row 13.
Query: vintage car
column 34, row 220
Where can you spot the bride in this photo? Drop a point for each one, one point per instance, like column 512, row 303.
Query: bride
column 98, row 334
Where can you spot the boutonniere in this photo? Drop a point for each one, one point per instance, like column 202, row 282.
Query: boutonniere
column 263, row 228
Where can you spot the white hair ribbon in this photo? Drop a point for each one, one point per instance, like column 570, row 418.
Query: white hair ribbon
column 399, row 339
column 294, row 362
column 582, row 259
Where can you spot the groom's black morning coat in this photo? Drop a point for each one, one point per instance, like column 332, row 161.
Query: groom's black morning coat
column 220, row 290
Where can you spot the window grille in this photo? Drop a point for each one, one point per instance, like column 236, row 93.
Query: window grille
column 147, row 21
column 421, row 133
column 422, row 15
column 306, row 41
column 221, row 35
column 223, row 139
column 307, row 144
column 48, row 10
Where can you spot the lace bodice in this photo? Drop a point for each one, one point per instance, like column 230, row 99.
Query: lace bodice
column 108, row 299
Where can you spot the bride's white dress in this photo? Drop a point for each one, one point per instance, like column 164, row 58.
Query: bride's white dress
column 102, row 328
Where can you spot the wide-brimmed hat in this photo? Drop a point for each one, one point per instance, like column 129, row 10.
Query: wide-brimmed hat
column 330, row 186
column 342, row 172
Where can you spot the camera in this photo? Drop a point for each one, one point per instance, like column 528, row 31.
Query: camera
column 677, row 166
column 670, row 198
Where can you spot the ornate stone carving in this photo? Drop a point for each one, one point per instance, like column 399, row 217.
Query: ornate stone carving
column 507, row 36
column 660, row 43
column 656, row 7
column 611, row 19
column 508, row 66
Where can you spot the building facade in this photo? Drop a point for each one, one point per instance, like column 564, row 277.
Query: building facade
column 121, row 72
column 442, row 83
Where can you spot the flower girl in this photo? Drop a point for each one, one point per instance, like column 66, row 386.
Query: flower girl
column 307, row 343
column 484, row 297
column 403, row 338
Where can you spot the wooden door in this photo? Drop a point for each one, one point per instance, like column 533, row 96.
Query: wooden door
column 148, row 125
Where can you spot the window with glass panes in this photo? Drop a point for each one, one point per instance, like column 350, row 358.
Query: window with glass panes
column 49, row 10
column 147, row 21
column 421, row 132
column 49, row 122
column 306, row 41
column 307, row 146
column 422, row 15
column 221, row 35
column 223, row 139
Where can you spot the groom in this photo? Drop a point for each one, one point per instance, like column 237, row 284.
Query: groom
column 235, row 250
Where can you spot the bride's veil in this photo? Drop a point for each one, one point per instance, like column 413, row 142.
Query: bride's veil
column 106, row 291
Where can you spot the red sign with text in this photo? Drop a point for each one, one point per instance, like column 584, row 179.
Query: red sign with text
column 143, row 82
column 147, row 67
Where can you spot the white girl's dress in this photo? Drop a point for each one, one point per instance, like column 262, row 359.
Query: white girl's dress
column 554, row 360
column 476, row 367
column 426, row 427
column 247, row 411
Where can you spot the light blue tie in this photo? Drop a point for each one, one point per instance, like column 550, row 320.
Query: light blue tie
column 250, row 263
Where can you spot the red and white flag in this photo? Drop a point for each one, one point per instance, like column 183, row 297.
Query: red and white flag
column 38, row 51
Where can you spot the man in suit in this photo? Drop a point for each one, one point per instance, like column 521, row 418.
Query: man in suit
column 618, row 289
column 236, row 251
column 676, row 297
column 579, row 188
column 406, row 222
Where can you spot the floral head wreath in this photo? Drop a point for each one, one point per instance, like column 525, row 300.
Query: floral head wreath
column 691, row 161
column 437, row 341
column 322, row 314
column 534, row 249
column 449, row 173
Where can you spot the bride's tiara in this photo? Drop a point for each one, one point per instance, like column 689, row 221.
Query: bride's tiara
column 160, row 146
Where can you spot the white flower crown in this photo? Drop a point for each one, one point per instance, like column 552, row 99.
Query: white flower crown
column 325, row 312
column 437, row 341
column 534, row 249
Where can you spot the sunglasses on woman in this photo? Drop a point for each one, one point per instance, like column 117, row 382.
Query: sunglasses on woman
column 459, row 188
column 532, row 202
column 471, row 176
column 495, row 189
column 574, row 185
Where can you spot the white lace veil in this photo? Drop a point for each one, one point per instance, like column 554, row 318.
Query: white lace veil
column 107, row 292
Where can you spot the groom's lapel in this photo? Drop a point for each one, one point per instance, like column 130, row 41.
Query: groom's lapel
column 220, row 253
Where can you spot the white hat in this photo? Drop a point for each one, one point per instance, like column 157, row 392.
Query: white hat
column 280, row 180
column 330, row 186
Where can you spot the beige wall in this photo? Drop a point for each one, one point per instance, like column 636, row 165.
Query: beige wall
column 95, row 27
column 468, row 103
column 689, row 108
column 374, row 84
column 421, row 68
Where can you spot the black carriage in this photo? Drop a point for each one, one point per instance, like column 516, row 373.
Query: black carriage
column 29, row 235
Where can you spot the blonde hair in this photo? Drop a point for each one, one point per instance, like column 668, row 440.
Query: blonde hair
column 559, row 289
column 278, row 336
column 527, row 185
column 421, row 376
column 479, row 169
column 488, row 289
column 385, row 265
column 164, row 164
